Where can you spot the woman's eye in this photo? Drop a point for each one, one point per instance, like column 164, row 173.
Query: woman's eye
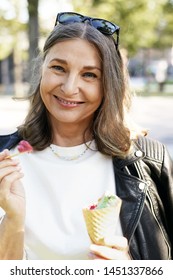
column 90, row 75
column 58, row 68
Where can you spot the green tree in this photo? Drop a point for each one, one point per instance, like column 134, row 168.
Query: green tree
column 12, row 45
column 165, row 28
column 21, row 39
column 9, row 31
column 139, row 20
column 33, row 32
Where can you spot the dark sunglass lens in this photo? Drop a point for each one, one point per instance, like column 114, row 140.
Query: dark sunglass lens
column 104, row 26
column 69, row 18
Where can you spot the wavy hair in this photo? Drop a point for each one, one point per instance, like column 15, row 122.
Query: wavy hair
column 109, row 126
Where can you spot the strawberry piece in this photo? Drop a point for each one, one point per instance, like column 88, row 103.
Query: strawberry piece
column 93, row 207
column 24, row 146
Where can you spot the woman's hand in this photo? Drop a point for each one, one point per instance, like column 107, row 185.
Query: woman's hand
column 115, row 248
column 12, row 198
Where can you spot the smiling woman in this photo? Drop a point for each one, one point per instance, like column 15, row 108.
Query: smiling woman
column 83, row 147
column 70, row 88
column 80, row 79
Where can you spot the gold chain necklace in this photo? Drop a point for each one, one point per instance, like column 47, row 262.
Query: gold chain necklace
column 72, row 157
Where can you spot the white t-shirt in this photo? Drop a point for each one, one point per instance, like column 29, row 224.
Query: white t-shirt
column 56, row 191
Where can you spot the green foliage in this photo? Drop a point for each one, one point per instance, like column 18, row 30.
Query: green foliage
column 166, row 27
column 8, row 35
column 142, row 22
column 10, row 28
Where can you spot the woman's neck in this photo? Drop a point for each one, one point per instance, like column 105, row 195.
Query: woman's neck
column 70, row 136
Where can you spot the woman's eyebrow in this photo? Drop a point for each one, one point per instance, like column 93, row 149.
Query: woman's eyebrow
column 59, row 60
column 89, row 67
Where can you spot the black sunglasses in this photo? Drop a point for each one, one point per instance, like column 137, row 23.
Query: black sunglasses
column 104, row 26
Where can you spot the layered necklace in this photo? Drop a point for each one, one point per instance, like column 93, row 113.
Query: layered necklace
column 69, row 158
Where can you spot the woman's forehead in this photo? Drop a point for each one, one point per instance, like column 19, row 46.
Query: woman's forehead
column 77, row 48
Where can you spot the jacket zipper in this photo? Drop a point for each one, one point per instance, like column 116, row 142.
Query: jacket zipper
column 153, row 212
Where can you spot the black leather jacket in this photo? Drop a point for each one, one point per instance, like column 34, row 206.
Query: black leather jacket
column 144, row 181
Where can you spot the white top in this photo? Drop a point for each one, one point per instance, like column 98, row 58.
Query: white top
column 56, row 192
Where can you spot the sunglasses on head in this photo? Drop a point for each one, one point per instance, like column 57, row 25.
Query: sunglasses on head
column 104, row 26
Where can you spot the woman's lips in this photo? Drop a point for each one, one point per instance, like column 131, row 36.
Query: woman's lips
column 67, row 103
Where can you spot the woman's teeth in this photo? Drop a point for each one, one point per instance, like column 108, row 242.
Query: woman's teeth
column 68, row 102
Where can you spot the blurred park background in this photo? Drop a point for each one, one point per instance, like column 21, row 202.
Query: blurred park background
column 146, row 42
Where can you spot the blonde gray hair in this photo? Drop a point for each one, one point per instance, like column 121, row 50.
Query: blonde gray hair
column 109, row 125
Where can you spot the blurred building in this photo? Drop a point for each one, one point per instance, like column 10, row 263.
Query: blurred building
column 151, row 67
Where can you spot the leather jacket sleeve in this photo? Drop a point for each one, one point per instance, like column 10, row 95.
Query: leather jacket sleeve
column 161, row 168
column 144, row 181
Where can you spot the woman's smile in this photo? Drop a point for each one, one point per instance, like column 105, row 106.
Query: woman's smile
column 67, row 103
column 71, row 88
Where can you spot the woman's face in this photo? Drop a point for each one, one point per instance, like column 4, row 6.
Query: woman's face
column 71, row 83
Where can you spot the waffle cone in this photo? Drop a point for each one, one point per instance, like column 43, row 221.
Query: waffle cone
column 101, row 223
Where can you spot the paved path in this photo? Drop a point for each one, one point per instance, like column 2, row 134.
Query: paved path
column 153, row 113
column 12, row 113
column 156, row 114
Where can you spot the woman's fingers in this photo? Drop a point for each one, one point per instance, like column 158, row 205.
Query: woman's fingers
column 4, row 154
column 5, row 163
column 115, row 248
column 118, row 242
column 7, row 171
column 109, row 253
column 8, row 162
column 7, row 166
column 12, row 177
column 8, row 180
column 12, row 195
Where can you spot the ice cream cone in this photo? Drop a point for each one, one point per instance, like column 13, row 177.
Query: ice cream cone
column 102, row 222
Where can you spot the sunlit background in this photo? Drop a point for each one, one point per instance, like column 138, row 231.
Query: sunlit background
column 146, row 42
column 146, row 38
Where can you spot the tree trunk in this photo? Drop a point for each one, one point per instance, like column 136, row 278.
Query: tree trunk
column 33, row 33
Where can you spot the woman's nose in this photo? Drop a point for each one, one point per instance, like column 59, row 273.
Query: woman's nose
column 70, row 85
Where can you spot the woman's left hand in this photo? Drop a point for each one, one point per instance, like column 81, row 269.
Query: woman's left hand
column 115, row 248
